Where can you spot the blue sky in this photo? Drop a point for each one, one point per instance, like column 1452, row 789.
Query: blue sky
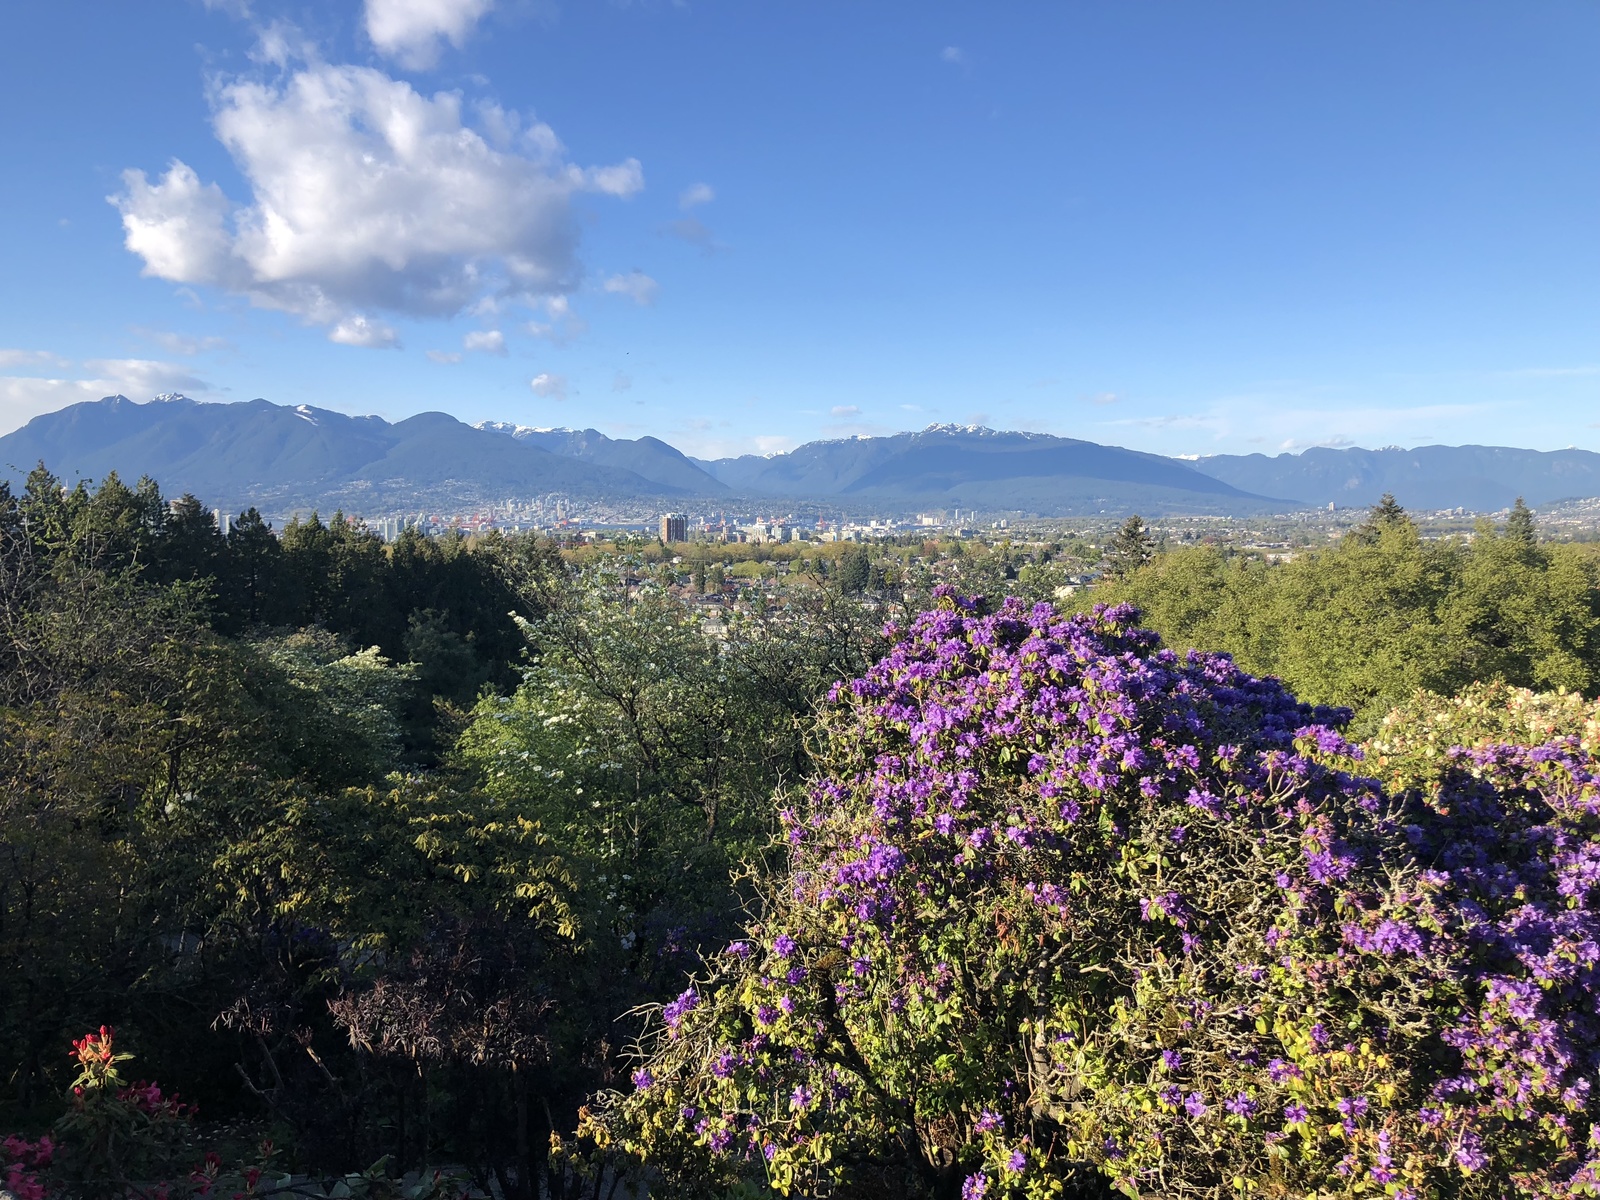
column 740, row 225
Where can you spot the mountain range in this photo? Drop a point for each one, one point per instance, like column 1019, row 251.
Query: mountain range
column 281, row 458
column 1479, row 478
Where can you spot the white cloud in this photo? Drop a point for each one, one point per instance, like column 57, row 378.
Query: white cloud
column 1104, row 398
column 954, row 55
column 179, row 226
column 636, row 285
column 183, row 343
column 30, row 358
column 445, row 357
column 24, row 397
column 363, row 331
column 141, row 378
column 485, row 341
column 553, row 387
column 563, row 324
column 279, row 43
column 729, row 446
column 695, row 194
column 621, row 179
column 845, row 410
column 367, row 196
column 411, row 31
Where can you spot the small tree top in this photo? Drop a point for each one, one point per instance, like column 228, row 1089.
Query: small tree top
column 1520, row 525
column 1386, row 514
column 1130, row 549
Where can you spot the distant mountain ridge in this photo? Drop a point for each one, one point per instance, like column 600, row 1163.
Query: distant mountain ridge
column 648, row 457
column 976, row 467
column 280, row 457
column 1482, row 478
column 256, row 452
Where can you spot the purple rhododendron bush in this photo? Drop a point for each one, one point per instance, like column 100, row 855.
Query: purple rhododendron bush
column 1064, row 911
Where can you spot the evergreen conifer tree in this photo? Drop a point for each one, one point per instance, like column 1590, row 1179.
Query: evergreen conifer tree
column 1520, row 527
column 1130, row 549
column 1386, row 514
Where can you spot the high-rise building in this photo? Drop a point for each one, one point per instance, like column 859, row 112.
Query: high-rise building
column 674, row 527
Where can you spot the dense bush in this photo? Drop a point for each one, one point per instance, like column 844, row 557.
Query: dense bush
column 1385, row 612
column 1414, row 742
column 1065, row 906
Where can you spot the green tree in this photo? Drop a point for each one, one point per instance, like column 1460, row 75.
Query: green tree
column 853, row 570
column 1521, row 529
column 1385, row 515
column 254, row 586
column 1130, row 549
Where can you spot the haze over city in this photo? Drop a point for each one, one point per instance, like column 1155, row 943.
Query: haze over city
column 1182, row 229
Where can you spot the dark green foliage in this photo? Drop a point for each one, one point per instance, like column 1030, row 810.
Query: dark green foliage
column 1520, row 528
column 1386, row 516
column 232, row 823
column 1130, row 549
column 853, row 571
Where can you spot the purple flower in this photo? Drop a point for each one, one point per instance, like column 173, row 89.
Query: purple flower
column 675, row 1012
column 1241, row 1106
column 1469, row 1152
column 975, row 1187
column 642, row 1080
column 1352, row 1106
column 1294, row 1113
column 1017, row 1162
column 1171, row 1059
column 988, row 1121
column 1278, row 1070
column 1194, row 1104
column 784, row 946
column 800, row 1099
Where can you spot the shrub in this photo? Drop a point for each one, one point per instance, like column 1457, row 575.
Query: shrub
column 1063, row 906
column 132, row 1141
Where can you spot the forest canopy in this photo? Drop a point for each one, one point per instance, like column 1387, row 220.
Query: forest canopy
column 815, row 873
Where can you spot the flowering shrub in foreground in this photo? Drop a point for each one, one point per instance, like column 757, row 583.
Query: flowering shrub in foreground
column 1063, row 906
column 122, row 1141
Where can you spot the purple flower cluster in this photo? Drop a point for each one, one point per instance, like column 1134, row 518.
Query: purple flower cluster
column 1045, row 848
